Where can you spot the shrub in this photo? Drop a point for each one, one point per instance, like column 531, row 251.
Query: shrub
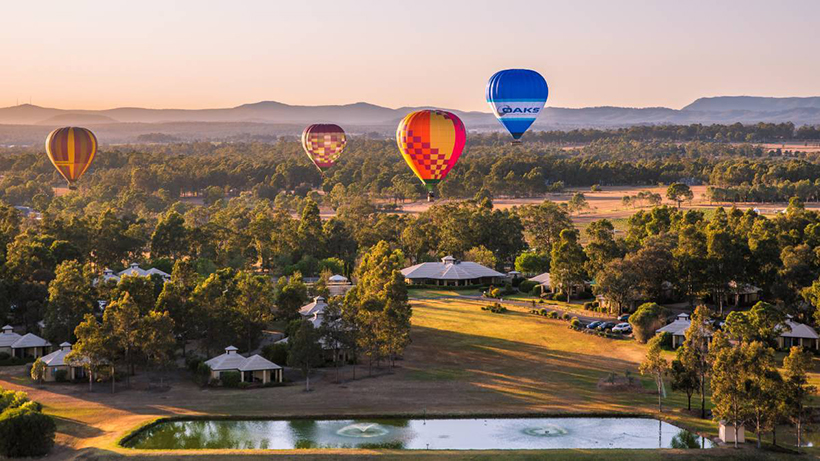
column 552, row 315
column 25, row 432
column 4, row 356
column 192, row 362
column 646, row 319
column 495, row 308
column 588, row 306
column 230, row 378
column 495, row 293
column 565, row 316
column 61, row 376
column 575, row 323
column 203, row 373
column 276, row 353
column 559, row 296
column 536, row 290
column 526, row 286
column 542, row 311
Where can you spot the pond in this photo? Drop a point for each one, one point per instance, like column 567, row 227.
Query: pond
column 418, row 434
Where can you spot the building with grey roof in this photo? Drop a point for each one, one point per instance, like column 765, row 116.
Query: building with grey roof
column 451, row 272
column 251, row 369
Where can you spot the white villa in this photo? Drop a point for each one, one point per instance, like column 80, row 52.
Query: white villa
column 134, row 270
column 545, row 282
column 314, row 309
column 251, row 369
column 28, row 345
column 56, row 361
column 451, row 272
column 791, row 334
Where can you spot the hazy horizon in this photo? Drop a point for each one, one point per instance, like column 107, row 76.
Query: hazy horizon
column 194, row 55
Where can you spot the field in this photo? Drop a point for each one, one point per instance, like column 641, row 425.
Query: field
column 462, row 361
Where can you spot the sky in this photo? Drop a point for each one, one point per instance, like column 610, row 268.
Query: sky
column 203, row 54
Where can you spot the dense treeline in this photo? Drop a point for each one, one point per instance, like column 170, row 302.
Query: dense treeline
column 148, row 179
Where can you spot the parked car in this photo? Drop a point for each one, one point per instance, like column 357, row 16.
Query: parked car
column 606, row 326
column 594, row 325
column 623, row 328
column 624, row 318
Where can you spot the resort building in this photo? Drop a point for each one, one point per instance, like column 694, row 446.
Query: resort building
column 253, row 369
column 452, row 272
column 28, row 345
column 797, row 334
column 56, row 361
column 743, row 293
column 545, row 282
column 791, row 333
column 134, row 270
column 316, row 308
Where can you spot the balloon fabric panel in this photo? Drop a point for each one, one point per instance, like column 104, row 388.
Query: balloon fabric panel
column 431, row 142
column 516, row 97
column 71, row 151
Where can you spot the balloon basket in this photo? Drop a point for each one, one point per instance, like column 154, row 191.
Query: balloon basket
column 516, row 142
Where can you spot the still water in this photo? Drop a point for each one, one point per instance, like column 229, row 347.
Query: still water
column 418, row 434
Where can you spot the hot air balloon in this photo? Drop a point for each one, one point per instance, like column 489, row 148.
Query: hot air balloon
column 323, row 144
column 517, row 97
column 431, row 142
column 71, row 150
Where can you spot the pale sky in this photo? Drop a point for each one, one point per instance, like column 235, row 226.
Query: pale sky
column 199, row 53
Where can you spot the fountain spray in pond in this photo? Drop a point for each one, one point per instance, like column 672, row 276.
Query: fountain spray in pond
column 363, row 430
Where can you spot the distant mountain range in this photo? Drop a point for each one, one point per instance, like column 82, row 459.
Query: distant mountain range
column 127, row 124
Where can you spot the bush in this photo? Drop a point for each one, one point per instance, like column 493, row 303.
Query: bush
column 552, row 315
column 495, row 308
column 575, row 323
column 646, row 319
column 565, row 316
column 542, row 311
column 559, row 296
column 4, row 356
column 276, row 353
column 192, row 363
column 526, row 286
column 61, row 376
column 588, row 306
column 25, row 432
column 230, row 378
column 536, row 290
column 203, row 373
column 15, row 361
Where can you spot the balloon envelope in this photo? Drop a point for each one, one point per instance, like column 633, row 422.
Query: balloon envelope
column 324, row 143
column 517, row 97
column 71, row 151
column 431, row 142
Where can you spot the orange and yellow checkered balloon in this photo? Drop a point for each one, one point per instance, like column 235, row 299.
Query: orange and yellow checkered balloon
column 431, row 142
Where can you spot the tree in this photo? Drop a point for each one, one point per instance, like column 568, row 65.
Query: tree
column 93, row 348
column 578, row 202
column 763, row 322
column 38, row 371
column 530, row 263
column 290, row 296
column 679, row 192
column 156, row 337
column 694, row 353
column 305, row 350
column 481, row 255
column 122, row 317
column 70, row 298
column 690, row 261
column 336, row 332
column 543, row 224
column 170, row 238
column 646, row 319
column 764, row 386
column 256, row 296
column 654, row 365
column 684, row 379
column 567, row 262
column 797, row 391
column 618, row 282
column 601, row 248
column 730, row 398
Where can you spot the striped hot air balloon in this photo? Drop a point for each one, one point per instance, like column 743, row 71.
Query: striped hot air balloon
column 324, row 144
column 71, row 150
column 517, row 97
column 431, row 142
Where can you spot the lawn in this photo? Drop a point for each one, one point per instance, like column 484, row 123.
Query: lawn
column 461, row 361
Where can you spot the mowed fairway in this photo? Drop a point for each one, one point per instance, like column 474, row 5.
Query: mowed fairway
column 523, row 361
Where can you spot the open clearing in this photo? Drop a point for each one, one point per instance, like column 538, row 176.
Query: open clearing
column 462, row 361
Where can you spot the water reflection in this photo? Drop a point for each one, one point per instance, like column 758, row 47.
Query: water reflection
column 434, row 434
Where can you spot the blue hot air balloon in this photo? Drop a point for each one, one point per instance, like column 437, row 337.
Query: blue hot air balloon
column 517, row 97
